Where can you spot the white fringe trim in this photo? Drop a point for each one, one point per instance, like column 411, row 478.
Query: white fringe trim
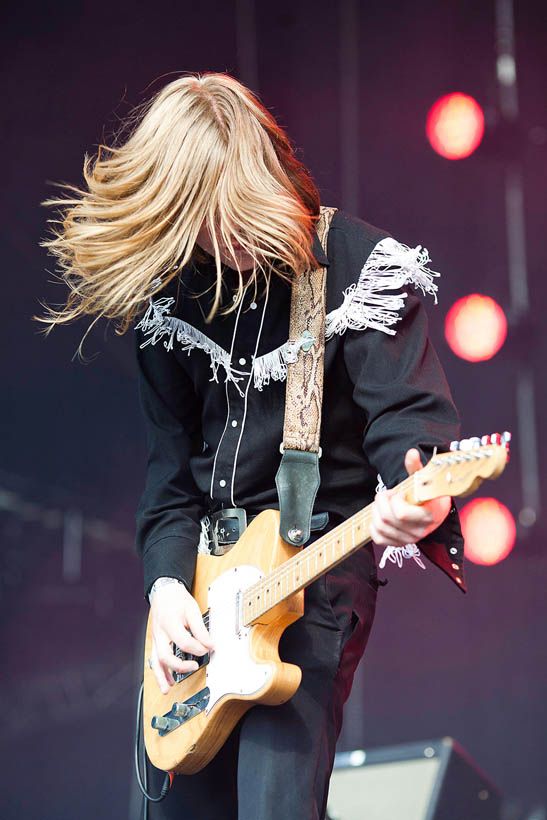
column 273, row 365
column 396, row 554
column 204, row 540
column 390, row 266
column 157, row 323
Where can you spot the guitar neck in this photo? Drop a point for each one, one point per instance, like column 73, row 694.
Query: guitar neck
column 314, row 561
column 455, row 473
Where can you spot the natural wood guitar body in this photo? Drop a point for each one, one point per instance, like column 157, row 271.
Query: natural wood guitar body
column 192, row 745
column 254, row 592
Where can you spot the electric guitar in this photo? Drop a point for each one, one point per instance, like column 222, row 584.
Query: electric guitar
column 252, row 593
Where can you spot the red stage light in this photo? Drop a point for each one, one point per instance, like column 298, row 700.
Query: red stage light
column 488, row 529
column 455, row 126
column 475, row 327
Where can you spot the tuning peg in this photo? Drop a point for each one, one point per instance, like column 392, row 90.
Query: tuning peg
column 505, row 439
column 496, row 438
column 465, row 444
column 475, row 443
column 485, row 440
column 454, row 446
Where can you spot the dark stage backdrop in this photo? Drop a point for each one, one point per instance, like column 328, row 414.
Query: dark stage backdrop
column 352, row 83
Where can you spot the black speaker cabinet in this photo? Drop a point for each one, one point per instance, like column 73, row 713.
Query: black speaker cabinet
column 431, row 780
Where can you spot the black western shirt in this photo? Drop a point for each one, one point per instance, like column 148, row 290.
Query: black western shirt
column 213, row 395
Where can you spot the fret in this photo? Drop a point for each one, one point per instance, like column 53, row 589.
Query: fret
column 327, row 551
column 306, row 566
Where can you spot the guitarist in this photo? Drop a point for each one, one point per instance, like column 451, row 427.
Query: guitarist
column 195, row 225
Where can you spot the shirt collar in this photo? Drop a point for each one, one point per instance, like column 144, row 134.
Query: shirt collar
column 318, row 252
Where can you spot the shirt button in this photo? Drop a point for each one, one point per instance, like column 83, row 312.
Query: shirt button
column 253, row 306
column 234, row 423
column 453, row 550
column 222, row 482
column 243, row 361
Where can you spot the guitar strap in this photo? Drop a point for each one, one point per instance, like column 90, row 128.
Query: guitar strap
column 297, row 478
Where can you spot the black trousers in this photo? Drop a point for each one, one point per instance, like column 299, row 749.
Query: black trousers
column 278, row 760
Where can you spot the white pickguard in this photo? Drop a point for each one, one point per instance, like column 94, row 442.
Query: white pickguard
column 231, row 670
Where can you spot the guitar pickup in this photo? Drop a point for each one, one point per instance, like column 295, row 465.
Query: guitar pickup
column 201, row 660
column 181, row 712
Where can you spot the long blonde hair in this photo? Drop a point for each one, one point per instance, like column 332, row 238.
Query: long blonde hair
column 202, row 150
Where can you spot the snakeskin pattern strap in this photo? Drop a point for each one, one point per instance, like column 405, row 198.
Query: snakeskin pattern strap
column 304, row 395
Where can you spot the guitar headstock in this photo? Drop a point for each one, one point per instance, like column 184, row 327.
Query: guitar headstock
column 463, row 468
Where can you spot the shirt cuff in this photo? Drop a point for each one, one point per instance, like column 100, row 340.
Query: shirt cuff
column 445, row 547
column 173, row 556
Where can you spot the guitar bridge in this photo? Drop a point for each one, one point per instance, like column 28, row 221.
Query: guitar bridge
column 179, row 713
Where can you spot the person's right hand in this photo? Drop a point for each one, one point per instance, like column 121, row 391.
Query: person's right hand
column 175, row 617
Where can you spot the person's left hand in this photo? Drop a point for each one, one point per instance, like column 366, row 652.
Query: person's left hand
column 396, row 523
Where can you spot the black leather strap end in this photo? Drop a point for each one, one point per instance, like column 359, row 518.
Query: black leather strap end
column 297, row 482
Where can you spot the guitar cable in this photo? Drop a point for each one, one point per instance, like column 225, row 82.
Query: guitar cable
column 143, row 786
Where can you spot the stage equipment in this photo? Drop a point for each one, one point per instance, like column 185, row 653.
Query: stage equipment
column 430, row 780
